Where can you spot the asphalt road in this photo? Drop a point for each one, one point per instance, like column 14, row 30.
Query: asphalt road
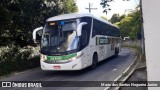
column 107, row 70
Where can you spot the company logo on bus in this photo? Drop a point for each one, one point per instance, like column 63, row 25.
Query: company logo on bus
column 56, row 58
column 64, row 57
column 102, row 40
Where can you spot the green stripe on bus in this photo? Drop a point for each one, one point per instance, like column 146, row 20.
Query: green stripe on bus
column 64, row 57
column 108, row 39
column 97, row 40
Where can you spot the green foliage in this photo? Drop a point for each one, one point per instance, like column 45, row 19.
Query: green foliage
column 130, row 24
column 124, row 26
column 116, row 18
column 70, row 6
column 19, row 17
column 104, row 18
column 13, row 58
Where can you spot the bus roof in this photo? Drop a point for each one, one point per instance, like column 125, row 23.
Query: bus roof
column 77, row 15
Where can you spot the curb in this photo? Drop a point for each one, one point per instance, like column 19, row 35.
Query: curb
column 125, row 75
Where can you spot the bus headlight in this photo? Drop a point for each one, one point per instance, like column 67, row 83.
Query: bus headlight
column 74, row 58
column 43, row 57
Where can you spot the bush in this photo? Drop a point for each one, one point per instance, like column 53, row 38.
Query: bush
column 14, row 58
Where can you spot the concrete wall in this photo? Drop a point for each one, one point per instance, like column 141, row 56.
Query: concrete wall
column 131, row 43
column 151, row 16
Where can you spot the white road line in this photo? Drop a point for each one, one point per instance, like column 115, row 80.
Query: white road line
column 107, row 88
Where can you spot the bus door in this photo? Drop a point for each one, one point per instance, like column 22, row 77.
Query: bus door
column 84, row 45
column 102, row 46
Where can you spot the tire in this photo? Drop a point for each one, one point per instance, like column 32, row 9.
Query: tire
column 116, row 52
column 94, row 61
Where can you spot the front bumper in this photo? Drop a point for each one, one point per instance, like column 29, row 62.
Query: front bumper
column 73, row 65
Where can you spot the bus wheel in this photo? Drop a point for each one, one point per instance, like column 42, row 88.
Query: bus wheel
column 116, row 52
column 94, row 61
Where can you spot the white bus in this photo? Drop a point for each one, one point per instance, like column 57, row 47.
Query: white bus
column 75, row 41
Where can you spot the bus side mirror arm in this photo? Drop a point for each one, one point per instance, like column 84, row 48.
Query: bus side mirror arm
column 34, row 33
column 79, row 28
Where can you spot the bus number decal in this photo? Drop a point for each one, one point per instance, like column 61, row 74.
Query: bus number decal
column 65, row 57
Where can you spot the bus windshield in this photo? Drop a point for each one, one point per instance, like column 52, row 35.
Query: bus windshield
column 60, row 36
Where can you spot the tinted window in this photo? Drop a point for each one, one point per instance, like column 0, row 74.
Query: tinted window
column 100, row 28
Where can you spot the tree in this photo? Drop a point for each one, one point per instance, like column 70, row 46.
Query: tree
column 136, row 23
column 130, row 24
column 124, row 25
column 69, row 6
column 19, row 17
column 106, row 6
column 116, row 18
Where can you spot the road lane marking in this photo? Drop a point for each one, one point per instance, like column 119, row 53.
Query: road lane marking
column 107, row 88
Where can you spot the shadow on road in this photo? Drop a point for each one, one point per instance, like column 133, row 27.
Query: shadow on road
column 79, row 72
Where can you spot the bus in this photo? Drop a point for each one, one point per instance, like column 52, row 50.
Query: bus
column 75, row 41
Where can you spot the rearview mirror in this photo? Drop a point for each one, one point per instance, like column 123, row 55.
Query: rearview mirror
column 34, row 33
column 79, row 28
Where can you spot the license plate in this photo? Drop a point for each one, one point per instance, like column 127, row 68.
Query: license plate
column 56, row 67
